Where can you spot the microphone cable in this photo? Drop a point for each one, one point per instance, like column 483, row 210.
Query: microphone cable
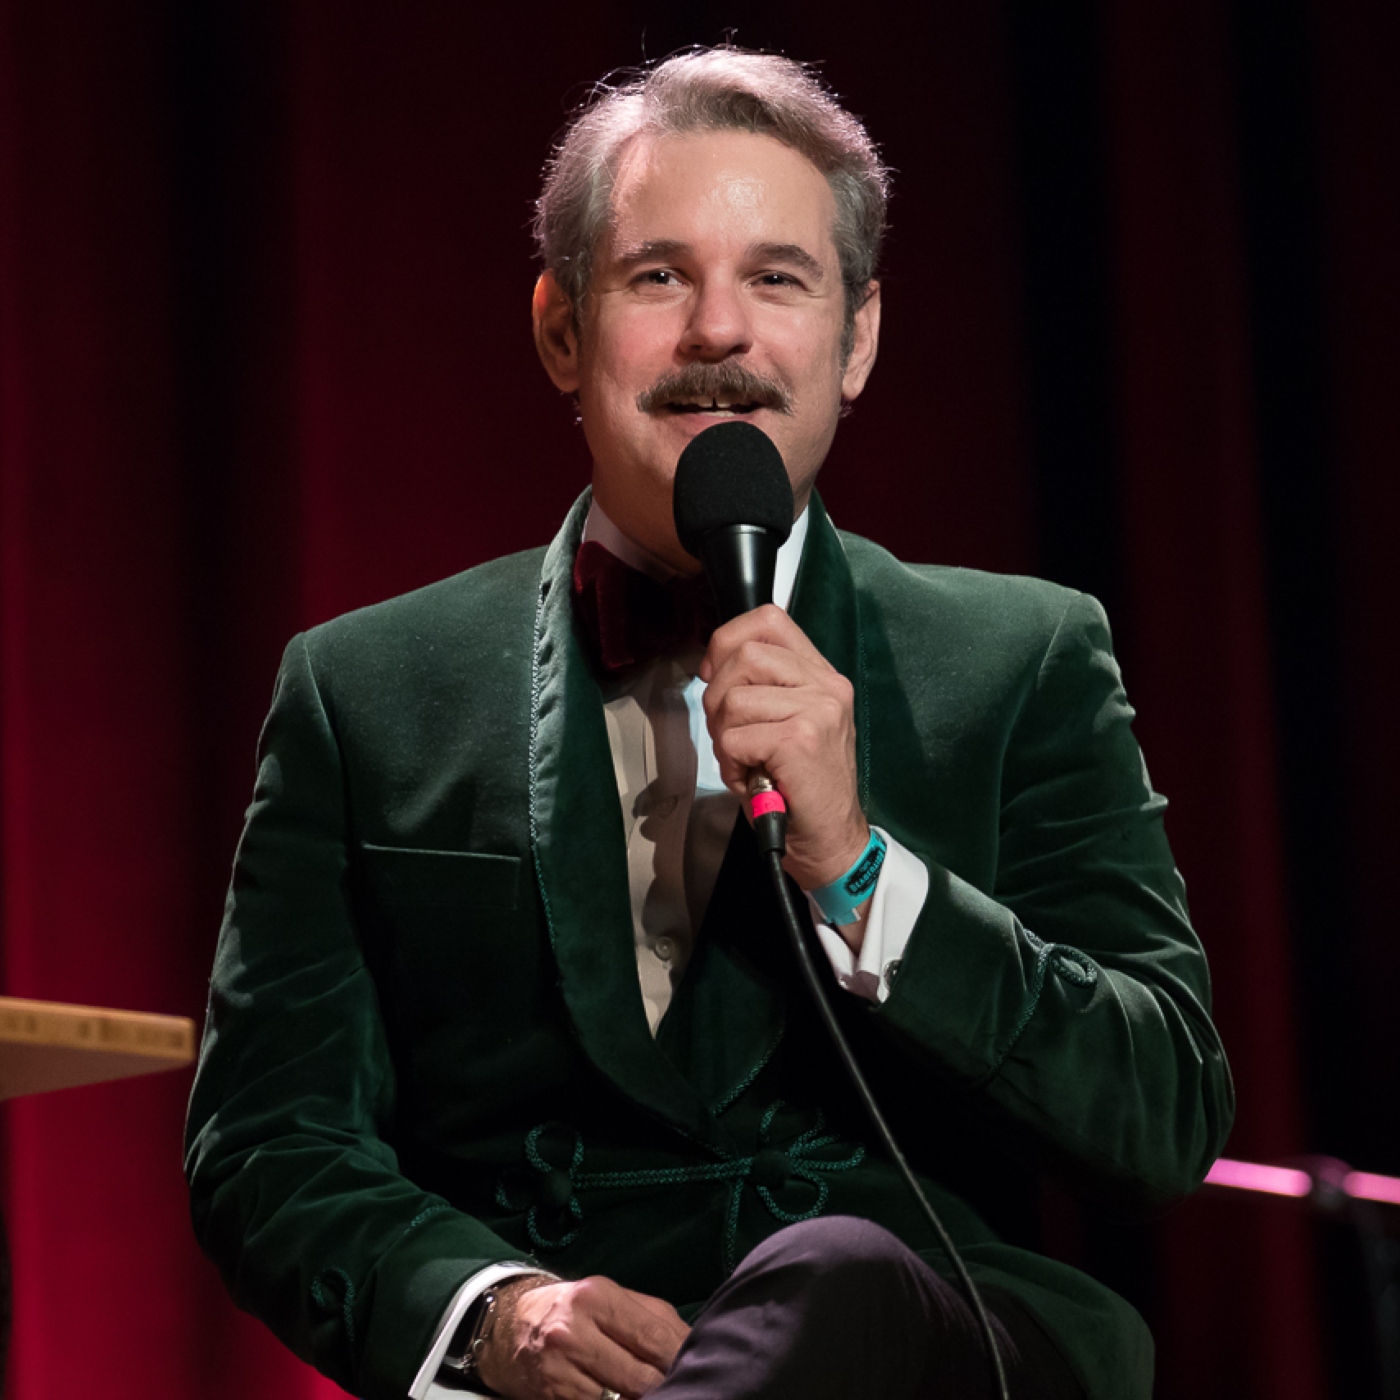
column 770, row 827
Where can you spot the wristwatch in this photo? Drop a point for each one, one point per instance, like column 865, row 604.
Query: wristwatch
column 461, row 1364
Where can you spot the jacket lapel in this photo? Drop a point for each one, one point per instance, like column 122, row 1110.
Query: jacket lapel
column 578, row 843
column 824, row 606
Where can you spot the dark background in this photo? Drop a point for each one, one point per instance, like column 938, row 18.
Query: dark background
column 264, row 356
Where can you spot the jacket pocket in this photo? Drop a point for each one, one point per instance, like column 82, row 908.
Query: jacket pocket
column 471, row 883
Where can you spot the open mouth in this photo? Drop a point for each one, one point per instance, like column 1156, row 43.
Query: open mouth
column 713, row 405
column 726, row 391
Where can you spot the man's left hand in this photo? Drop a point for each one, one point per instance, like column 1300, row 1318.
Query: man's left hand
column 773, row 699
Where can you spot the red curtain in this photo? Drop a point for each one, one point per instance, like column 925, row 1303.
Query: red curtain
column 1192, row 538
column 264, row 356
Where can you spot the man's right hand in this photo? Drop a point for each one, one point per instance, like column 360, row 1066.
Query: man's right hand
column 573, row 1341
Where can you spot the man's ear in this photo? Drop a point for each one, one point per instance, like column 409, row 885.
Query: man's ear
column 556, row 336
column 866, row 343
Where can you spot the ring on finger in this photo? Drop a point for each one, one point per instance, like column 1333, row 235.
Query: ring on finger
column 606, row 1394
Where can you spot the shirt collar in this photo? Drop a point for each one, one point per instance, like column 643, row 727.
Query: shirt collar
column 600, row 528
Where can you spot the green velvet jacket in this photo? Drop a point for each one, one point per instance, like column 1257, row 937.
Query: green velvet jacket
column 426, row 1048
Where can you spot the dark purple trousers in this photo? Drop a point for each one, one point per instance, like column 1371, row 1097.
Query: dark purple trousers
column 837, row 1308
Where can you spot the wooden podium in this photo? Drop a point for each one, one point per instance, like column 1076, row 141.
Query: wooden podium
column 50, row 1045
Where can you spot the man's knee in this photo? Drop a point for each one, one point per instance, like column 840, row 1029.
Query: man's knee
column 841, row 1252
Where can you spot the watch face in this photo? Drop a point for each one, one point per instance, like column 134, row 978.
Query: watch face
column 467, row 1340
column 485, row 1320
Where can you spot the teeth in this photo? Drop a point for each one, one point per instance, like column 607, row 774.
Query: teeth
column 712, row 405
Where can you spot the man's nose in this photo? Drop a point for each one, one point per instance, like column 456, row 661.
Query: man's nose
column 718, row 325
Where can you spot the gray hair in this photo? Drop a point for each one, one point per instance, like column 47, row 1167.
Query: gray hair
column 723, row 89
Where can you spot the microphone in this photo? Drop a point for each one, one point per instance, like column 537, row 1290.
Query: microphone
column 733, row 509
column 732, row 504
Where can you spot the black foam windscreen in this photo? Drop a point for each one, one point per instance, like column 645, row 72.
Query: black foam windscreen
column 731, row 474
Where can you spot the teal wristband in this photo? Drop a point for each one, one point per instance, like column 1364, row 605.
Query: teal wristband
column 839, row 900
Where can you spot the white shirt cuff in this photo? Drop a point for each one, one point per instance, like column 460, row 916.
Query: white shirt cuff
column 425, row 1385
column 888, row 917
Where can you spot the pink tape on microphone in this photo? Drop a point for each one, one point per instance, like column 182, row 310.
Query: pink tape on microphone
column 770, row 800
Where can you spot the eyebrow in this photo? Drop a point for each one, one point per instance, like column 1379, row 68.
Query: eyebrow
column 667, row 249
column 654, row 250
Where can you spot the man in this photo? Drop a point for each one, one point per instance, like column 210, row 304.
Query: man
column 507, row 1074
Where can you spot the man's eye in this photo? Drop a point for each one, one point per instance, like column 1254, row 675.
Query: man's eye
column 659, row 277
column 776, row 279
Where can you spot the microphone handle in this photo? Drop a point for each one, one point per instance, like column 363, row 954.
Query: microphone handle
column 740, row 562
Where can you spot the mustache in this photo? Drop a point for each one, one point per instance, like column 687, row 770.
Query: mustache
column 724, row 380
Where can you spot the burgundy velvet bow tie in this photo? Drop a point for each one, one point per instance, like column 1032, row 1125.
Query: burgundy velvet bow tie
column 631, row 619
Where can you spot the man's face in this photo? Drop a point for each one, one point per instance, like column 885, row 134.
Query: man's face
column 715, row 295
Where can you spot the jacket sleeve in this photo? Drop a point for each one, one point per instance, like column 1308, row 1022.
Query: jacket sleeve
column 1073, row 991
column 295, row 1193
